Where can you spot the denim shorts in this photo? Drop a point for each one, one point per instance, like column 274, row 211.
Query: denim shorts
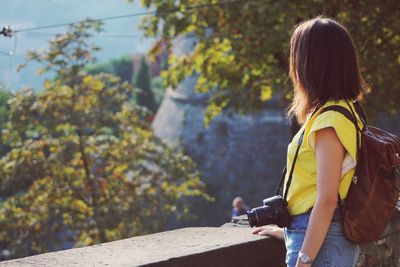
column 335, row 251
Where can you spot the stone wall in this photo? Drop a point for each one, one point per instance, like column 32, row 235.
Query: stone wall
column 385, row 252
column 232, row 245
column 194, row 247
column 387, row 122
column 237, row 155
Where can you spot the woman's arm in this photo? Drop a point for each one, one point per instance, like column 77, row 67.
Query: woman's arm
column 330, row 153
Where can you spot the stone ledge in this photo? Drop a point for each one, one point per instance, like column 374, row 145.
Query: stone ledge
column 230, row 245
column 202, row 246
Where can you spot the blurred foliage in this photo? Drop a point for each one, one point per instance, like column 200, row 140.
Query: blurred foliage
column 4, row 97
column 243, row 46
column 84, row 166
column 144, row 95
column 121, row 67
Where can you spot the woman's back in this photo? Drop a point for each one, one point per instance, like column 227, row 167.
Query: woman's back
column 303, row 189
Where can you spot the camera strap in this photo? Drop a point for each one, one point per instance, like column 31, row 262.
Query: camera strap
column 279, row 189
column 293, row 164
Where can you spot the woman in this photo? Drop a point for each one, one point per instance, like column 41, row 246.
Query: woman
column 324, row 70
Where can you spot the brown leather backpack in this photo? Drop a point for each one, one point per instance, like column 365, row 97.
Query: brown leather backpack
column 374, row 191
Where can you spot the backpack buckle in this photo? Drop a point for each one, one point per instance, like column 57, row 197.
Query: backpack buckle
column 396, row 160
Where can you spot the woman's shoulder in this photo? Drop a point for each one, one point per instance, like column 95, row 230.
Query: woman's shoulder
column 343, row 127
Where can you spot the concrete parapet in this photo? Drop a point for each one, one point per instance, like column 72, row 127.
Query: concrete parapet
column 198, row 246
column 230, row 245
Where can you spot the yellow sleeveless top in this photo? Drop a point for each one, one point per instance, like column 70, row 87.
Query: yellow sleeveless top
column 303, row 188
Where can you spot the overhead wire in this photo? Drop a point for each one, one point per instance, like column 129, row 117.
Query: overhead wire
column 12, row 52
column 6, row 31
column 93, row 35
column 139, row 14
column 9, row 32
column 10, row 55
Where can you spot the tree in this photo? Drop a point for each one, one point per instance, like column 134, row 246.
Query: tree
column 84, row 166
column 242, row 46
column 121, row 67
column 145, row 96
column 97, row 68
column 4, row 97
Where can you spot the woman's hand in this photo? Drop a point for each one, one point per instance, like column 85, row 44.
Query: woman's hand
column 269, row 230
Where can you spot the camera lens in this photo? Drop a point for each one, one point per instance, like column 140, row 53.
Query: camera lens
column 259, row 216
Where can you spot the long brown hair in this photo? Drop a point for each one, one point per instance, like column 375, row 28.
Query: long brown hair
column 323, row 66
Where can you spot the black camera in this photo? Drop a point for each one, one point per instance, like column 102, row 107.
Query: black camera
column 274, row 211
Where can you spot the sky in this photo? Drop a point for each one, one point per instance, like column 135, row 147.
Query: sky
column 22, row 14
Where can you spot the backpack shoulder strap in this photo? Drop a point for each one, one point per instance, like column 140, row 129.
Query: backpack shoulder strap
column 344, row 111
column 360, row 112
column 349, row 115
